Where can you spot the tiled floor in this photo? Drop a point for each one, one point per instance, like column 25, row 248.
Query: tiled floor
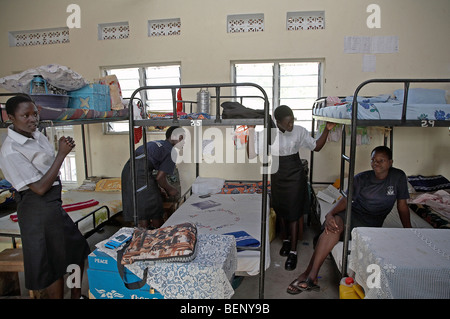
column 277, row 278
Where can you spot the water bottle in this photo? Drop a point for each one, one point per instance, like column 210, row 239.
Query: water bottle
column 348, row 289
column 203, row 101
column 38, row 85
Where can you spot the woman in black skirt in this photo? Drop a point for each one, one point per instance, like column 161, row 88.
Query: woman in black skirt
column 50, row 240
column 289, row 189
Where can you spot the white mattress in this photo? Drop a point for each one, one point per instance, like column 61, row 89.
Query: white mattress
column 392, row 221
column 237, row 212
column 387, row 111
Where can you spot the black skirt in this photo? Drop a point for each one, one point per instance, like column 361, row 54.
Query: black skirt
column 50, row 239
column 289, row 188
column 149, row 200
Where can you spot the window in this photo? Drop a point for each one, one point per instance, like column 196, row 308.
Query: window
column 296, row 84
column 68, row 170
column 132, row 78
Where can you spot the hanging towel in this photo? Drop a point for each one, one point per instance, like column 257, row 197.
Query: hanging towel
column 80, row 205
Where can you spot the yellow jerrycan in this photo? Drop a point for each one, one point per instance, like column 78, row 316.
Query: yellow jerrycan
column 348, row 289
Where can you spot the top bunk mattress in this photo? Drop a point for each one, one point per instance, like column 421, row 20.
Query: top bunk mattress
column 387, row 111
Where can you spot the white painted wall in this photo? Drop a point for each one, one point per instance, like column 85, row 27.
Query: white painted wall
column 206, row 50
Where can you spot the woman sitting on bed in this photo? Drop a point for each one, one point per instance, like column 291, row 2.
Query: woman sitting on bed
column 374, row 194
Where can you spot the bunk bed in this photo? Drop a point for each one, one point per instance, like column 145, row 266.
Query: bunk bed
column 228, row 213
column 363, row 112
column 100, row 204
column 259, row 200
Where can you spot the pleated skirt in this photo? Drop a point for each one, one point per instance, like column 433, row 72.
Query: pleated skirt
column 289, row 188
column 50, row 239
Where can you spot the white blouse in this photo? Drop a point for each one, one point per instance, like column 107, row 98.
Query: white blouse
column 286, row 143
column 25, row 160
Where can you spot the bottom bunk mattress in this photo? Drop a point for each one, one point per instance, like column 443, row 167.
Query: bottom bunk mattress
column 392, row 221
column 88, row 209
column 221, row 214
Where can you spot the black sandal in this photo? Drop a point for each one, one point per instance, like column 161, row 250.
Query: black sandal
column 295, row 289
column 286, row 248
column 310, row 285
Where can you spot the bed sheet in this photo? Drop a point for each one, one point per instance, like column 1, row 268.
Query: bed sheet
column 113, row 200
column 235, row 212
column 417, row 266
column 387, row 111
column 392, row 221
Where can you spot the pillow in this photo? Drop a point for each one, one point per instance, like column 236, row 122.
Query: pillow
column 423, row 96
column 108, row 185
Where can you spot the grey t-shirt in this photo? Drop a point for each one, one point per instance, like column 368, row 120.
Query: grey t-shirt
column 373, row 199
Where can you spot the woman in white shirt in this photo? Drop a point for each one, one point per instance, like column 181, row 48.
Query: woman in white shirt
column 289, row 189
column 50, row 240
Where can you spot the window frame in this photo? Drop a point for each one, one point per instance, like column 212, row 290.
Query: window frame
column 275, row 100
column 142, row 82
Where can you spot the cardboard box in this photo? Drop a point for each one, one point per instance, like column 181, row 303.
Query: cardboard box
column 105, row 281
column 91, row 97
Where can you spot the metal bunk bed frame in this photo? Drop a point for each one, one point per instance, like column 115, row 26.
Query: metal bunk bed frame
column 218, row 121
column 354, row 122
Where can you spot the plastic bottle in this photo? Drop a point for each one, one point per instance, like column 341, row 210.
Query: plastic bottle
column 348, row 289
column 38, row 85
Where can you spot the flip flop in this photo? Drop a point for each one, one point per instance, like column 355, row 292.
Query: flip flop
column 310, row 285
column 295, row 284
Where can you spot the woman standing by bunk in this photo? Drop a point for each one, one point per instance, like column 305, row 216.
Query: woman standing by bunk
column 50, row 240
column 289, row 189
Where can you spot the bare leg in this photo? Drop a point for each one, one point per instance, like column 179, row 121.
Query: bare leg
column 284, row 233
column 300, row 227
column 56, row 289
column 293, row 229
column 324, row 246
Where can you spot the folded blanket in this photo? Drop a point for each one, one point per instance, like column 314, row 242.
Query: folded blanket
column 243, row 239
column 80, row 205
column 428, row 183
